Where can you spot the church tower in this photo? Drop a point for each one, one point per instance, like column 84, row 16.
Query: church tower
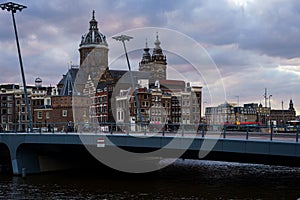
column 291, row 105
column 156, row 63
column 93, row 51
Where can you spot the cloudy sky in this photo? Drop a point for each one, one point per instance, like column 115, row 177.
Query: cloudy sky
column 254, row 44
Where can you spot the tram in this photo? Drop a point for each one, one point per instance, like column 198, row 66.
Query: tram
column 292, row 125
column 242, row 126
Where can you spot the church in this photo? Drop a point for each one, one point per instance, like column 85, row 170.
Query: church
column 94, row 79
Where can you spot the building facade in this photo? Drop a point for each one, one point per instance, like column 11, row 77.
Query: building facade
column 282, row 116
column 228, row 113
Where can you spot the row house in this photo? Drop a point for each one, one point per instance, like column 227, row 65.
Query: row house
column 8, row 108
column 161, row 104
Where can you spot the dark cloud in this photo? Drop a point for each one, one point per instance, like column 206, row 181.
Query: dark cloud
column 239, row 38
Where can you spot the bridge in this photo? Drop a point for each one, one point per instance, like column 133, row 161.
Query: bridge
column 49, row 151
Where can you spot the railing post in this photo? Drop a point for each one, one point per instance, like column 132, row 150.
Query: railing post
column 271, row 134
column 247, row 133
column 224, row 131
column 297, row 134
column 203, row 129
column 111, row 129
column 182, row 130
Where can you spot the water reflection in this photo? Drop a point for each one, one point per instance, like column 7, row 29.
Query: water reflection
column 183, row 179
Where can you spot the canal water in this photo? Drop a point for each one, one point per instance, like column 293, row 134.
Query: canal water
column 182, row 180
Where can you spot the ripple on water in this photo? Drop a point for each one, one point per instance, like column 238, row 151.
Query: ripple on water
column 184, row 179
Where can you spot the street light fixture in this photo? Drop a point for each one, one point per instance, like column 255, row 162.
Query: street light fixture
column 124, row 38
column 14, row 7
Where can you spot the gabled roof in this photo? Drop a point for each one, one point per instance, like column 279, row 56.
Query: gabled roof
column 116, row 74
column 68, row 82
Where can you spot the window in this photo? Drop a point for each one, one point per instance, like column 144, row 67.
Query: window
column 39, row 115
column 64, row 113
column 9, row 98
column 145, row 104
column 9, row 119
column 47, row 115
column 122, row 115
column 3, row 119
column 119, row 117
column 4, row 111
column 10, row 111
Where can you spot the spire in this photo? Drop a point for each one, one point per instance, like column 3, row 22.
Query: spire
column 93, row 23
column 146, row 55
column 147, row 43
column 291, row 106
column 157, row 42
column 157, row 52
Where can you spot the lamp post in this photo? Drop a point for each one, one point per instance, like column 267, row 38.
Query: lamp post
column 238, row 109
column 124, row 38
column 203, row 109
column 13, row 7
column 238, row 100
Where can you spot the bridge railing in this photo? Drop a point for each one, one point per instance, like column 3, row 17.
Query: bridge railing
column 169, row 129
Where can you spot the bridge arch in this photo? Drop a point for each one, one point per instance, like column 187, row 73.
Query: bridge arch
column 5, row 159
column 41, row 157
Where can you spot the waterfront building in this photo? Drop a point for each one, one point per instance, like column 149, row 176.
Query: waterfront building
column 88, row 89
column 8, row 108
column 282, row 116
column 160, row 104
column 13, row 108
column 228, row 113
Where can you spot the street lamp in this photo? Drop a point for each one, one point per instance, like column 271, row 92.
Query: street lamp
column 124, row 38
column 238, row 100
column 13, row 7
column 238, row 109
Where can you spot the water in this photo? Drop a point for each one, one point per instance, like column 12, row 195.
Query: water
column 182, row 180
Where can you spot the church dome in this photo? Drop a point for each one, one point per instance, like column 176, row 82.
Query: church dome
column 93, row 37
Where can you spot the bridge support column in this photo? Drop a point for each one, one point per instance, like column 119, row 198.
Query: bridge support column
column 15, row 168
column 25, row 158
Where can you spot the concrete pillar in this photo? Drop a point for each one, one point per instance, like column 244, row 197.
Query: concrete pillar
column 25, row 157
